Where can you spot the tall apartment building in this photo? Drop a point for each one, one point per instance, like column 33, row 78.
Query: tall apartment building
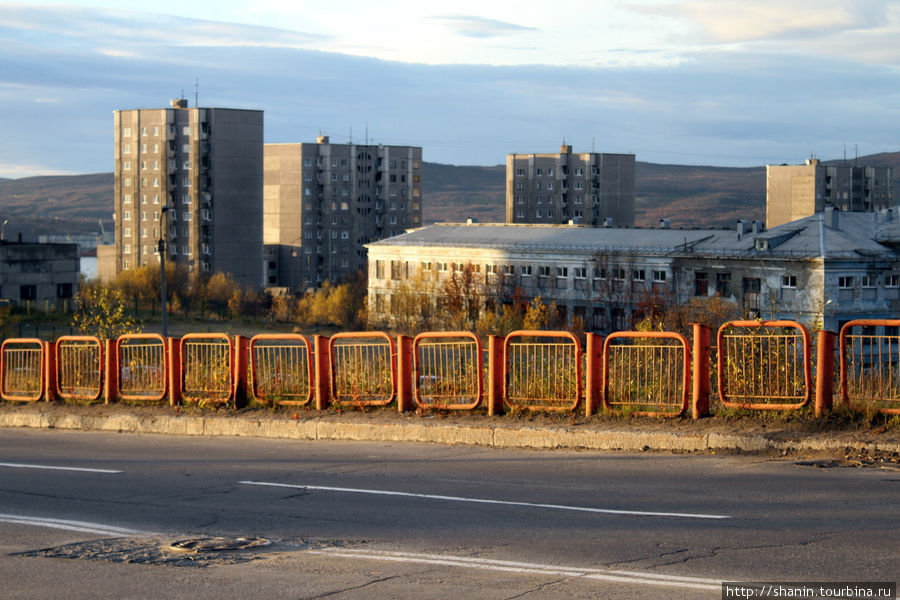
column 192, row 177
column 323, row 202
column 591, row 188
column 797, row 191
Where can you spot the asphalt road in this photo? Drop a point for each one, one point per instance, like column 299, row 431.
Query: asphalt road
column 91, row 515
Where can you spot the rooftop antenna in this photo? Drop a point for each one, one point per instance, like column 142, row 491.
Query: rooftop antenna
column 351, row 135
column 855, row 155
column 845, row 154
column 196, row 92
column 182, row 93
column 367, row 133
column 593, row 140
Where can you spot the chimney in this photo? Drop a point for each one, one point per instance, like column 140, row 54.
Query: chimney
column 831, row 217
column 758, row 227
column 741, row 228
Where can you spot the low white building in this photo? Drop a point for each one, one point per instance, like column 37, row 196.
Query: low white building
column 824, row 269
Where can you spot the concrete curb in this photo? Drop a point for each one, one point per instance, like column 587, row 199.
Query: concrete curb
column 496, row 436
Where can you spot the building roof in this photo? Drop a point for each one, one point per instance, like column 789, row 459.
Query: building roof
column 856, row 235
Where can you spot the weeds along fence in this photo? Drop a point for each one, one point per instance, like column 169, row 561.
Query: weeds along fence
column 757, row 365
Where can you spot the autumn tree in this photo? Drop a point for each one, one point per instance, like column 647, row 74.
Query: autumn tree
column 101, row 311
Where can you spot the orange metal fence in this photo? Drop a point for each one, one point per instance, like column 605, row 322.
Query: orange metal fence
column 22, row 368
column 207, row 372
column 79, row 363
column 448, row 370
column 143, row 367
column 542, row 375
column 870, row 365
column 363, row 369
column 281, row 369
column 764, row 365
column 647, row 373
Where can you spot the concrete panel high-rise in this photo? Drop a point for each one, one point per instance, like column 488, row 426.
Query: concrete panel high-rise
column 323, row 202
column 590, row 188
column 797, row 191
column 192, row 177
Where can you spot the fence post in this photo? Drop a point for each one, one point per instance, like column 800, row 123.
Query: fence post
column 323, row 371
column 111, row 371
column 49, row 371
column 495, row 375
column 593, row 379
column 174, row 368
column 700, row 379
column 240, row 371
column 405, row 383
column 824, row 373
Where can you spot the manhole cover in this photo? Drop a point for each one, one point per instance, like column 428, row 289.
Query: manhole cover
column 212, row 544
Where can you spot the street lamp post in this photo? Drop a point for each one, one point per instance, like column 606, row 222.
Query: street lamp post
column 162, row 274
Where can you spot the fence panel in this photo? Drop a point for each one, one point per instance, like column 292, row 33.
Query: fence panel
column 143, row 368
column 542, row 375
column 281, row 369
column 447, row 370
column 79, row 364
column 870, row 365
column 647, row 373
column 363, row 369
column 207, row 369
column 764, row 365
column 22, row 368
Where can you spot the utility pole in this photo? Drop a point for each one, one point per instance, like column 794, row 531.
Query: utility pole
column 162, row 274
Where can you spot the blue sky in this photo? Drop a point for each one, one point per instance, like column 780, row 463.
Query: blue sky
column 713, row 82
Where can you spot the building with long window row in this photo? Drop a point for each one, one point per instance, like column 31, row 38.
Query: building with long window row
column 824, row 269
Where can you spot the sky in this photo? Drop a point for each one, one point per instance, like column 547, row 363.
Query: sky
column 699, row 82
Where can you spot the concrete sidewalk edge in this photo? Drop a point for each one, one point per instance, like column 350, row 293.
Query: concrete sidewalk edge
column 452, row 434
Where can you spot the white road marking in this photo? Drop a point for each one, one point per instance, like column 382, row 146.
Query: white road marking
column 55, row 468
column 629, row 577
column 588, row 509
column 82, row 526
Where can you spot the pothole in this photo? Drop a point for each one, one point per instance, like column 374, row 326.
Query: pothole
column 217, row 544
column 191, row 552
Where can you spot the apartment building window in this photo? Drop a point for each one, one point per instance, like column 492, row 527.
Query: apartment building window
column 599, row 273
column 892, row 281
column 126, row 149
column 639, row 275
column 845, row 282
column 520, row 213
column 538, row 171
column 526, row 270
column 659, row 276
column 543, row 271
column 127, row 250
column 490, row 269
column 549, row 185
column 869, row 281
column 396, row 266
column 580, row 272
column 701, row 284
column 27, row 292
column 127, row 182
column 126, row 198
column 509, row 270
column 723, row 284
column 562, row 271
column 619, row 274
column 126, row 232
column 520, row 172
column 520, row 186
column 537, row 214
column 126, row 165
column 126, row 132
column 126, row 215
column 64, row 290
column 789, row 281
column 579, row 171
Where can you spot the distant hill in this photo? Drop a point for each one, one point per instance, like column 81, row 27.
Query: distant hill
column 689, row 196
